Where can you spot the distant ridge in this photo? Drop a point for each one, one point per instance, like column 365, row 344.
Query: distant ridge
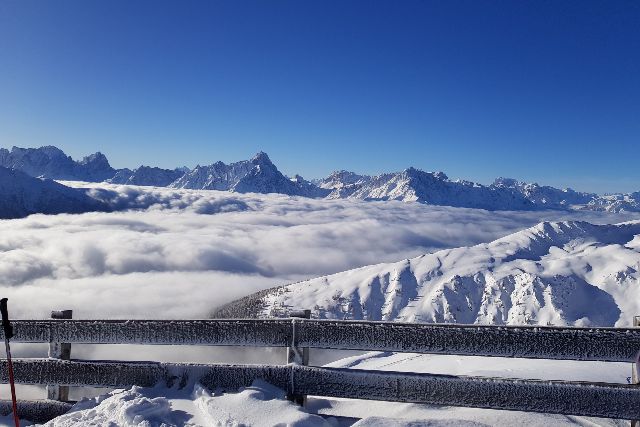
column 260, row 175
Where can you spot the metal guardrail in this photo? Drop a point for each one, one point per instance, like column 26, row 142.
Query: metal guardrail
column 562, row 397
column 558, row 397
column 538, row 342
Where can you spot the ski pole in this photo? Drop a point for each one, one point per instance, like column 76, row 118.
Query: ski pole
column 8, row 333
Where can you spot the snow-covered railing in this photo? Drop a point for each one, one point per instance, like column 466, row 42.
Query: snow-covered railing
column 563, row 397
column 537, row 342
column 571, row 398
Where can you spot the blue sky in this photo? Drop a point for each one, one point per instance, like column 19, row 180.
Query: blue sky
column 545, row 91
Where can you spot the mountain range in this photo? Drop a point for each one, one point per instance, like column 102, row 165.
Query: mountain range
column 555, row 273
column 260, row 175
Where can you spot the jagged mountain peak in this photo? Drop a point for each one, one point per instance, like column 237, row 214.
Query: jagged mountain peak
column 342, row 178
column 96, row 157
column 258, row 175
column 415, row 172
column 147, row 175
column 46, row 149
column 344, row 174
column 506, row 182
column 261, row 158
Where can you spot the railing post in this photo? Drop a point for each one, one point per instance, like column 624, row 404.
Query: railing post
column 635, row 370
column 60, row 351
column 297, row 355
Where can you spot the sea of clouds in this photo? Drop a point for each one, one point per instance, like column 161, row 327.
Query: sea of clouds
column 181, row 253
column 166, row 253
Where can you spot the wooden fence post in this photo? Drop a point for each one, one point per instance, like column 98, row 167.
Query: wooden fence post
column 298, row 355
column 635, row 370
column 60, row 351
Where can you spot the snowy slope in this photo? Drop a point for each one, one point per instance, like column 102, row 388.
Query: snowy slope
column 560, row 273
column 22, row 195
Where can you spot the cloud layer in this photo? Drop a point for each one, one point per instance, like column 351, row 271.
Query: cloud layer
column 181, row 253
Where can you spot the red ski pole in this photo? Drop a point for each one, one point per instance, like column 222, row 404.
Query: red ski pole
column 8, row 333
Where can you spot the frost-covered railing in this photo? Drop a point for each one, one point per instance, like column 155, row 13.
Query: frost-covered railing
column 564, row 397
column 537, row 342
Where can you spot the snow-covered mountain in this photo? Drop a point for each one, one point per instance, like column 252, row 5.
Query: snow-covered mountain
column 615, row 203
column 22, row 195
column 434, row 188
column 560, row 273
column 258, row 175
column 147, row 175
column 51, row 162
column 341, row 179
column 545, row 196
column 308, row 188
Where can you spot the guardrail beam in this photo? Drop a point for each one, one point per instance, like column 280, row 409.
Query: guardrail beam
column 557, row 397
column 538, row 342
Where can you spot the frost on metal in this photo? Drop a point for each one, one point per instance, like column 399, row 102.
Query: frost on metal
column 273, row 333
column 599, row 344
column 231, row 377
column 571, row 398
column 38, row 411
column 83, row 373
column 146, row 374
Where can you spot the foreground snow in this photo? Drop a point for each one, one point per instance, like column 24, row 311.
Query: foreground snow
column 260, row 404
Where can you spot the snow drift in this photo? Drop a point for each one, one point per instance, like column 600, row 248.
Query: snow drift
column 259, row 404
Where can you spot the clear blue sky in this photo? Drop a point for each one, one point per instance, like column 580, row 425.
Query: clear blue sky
column 546, row 91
